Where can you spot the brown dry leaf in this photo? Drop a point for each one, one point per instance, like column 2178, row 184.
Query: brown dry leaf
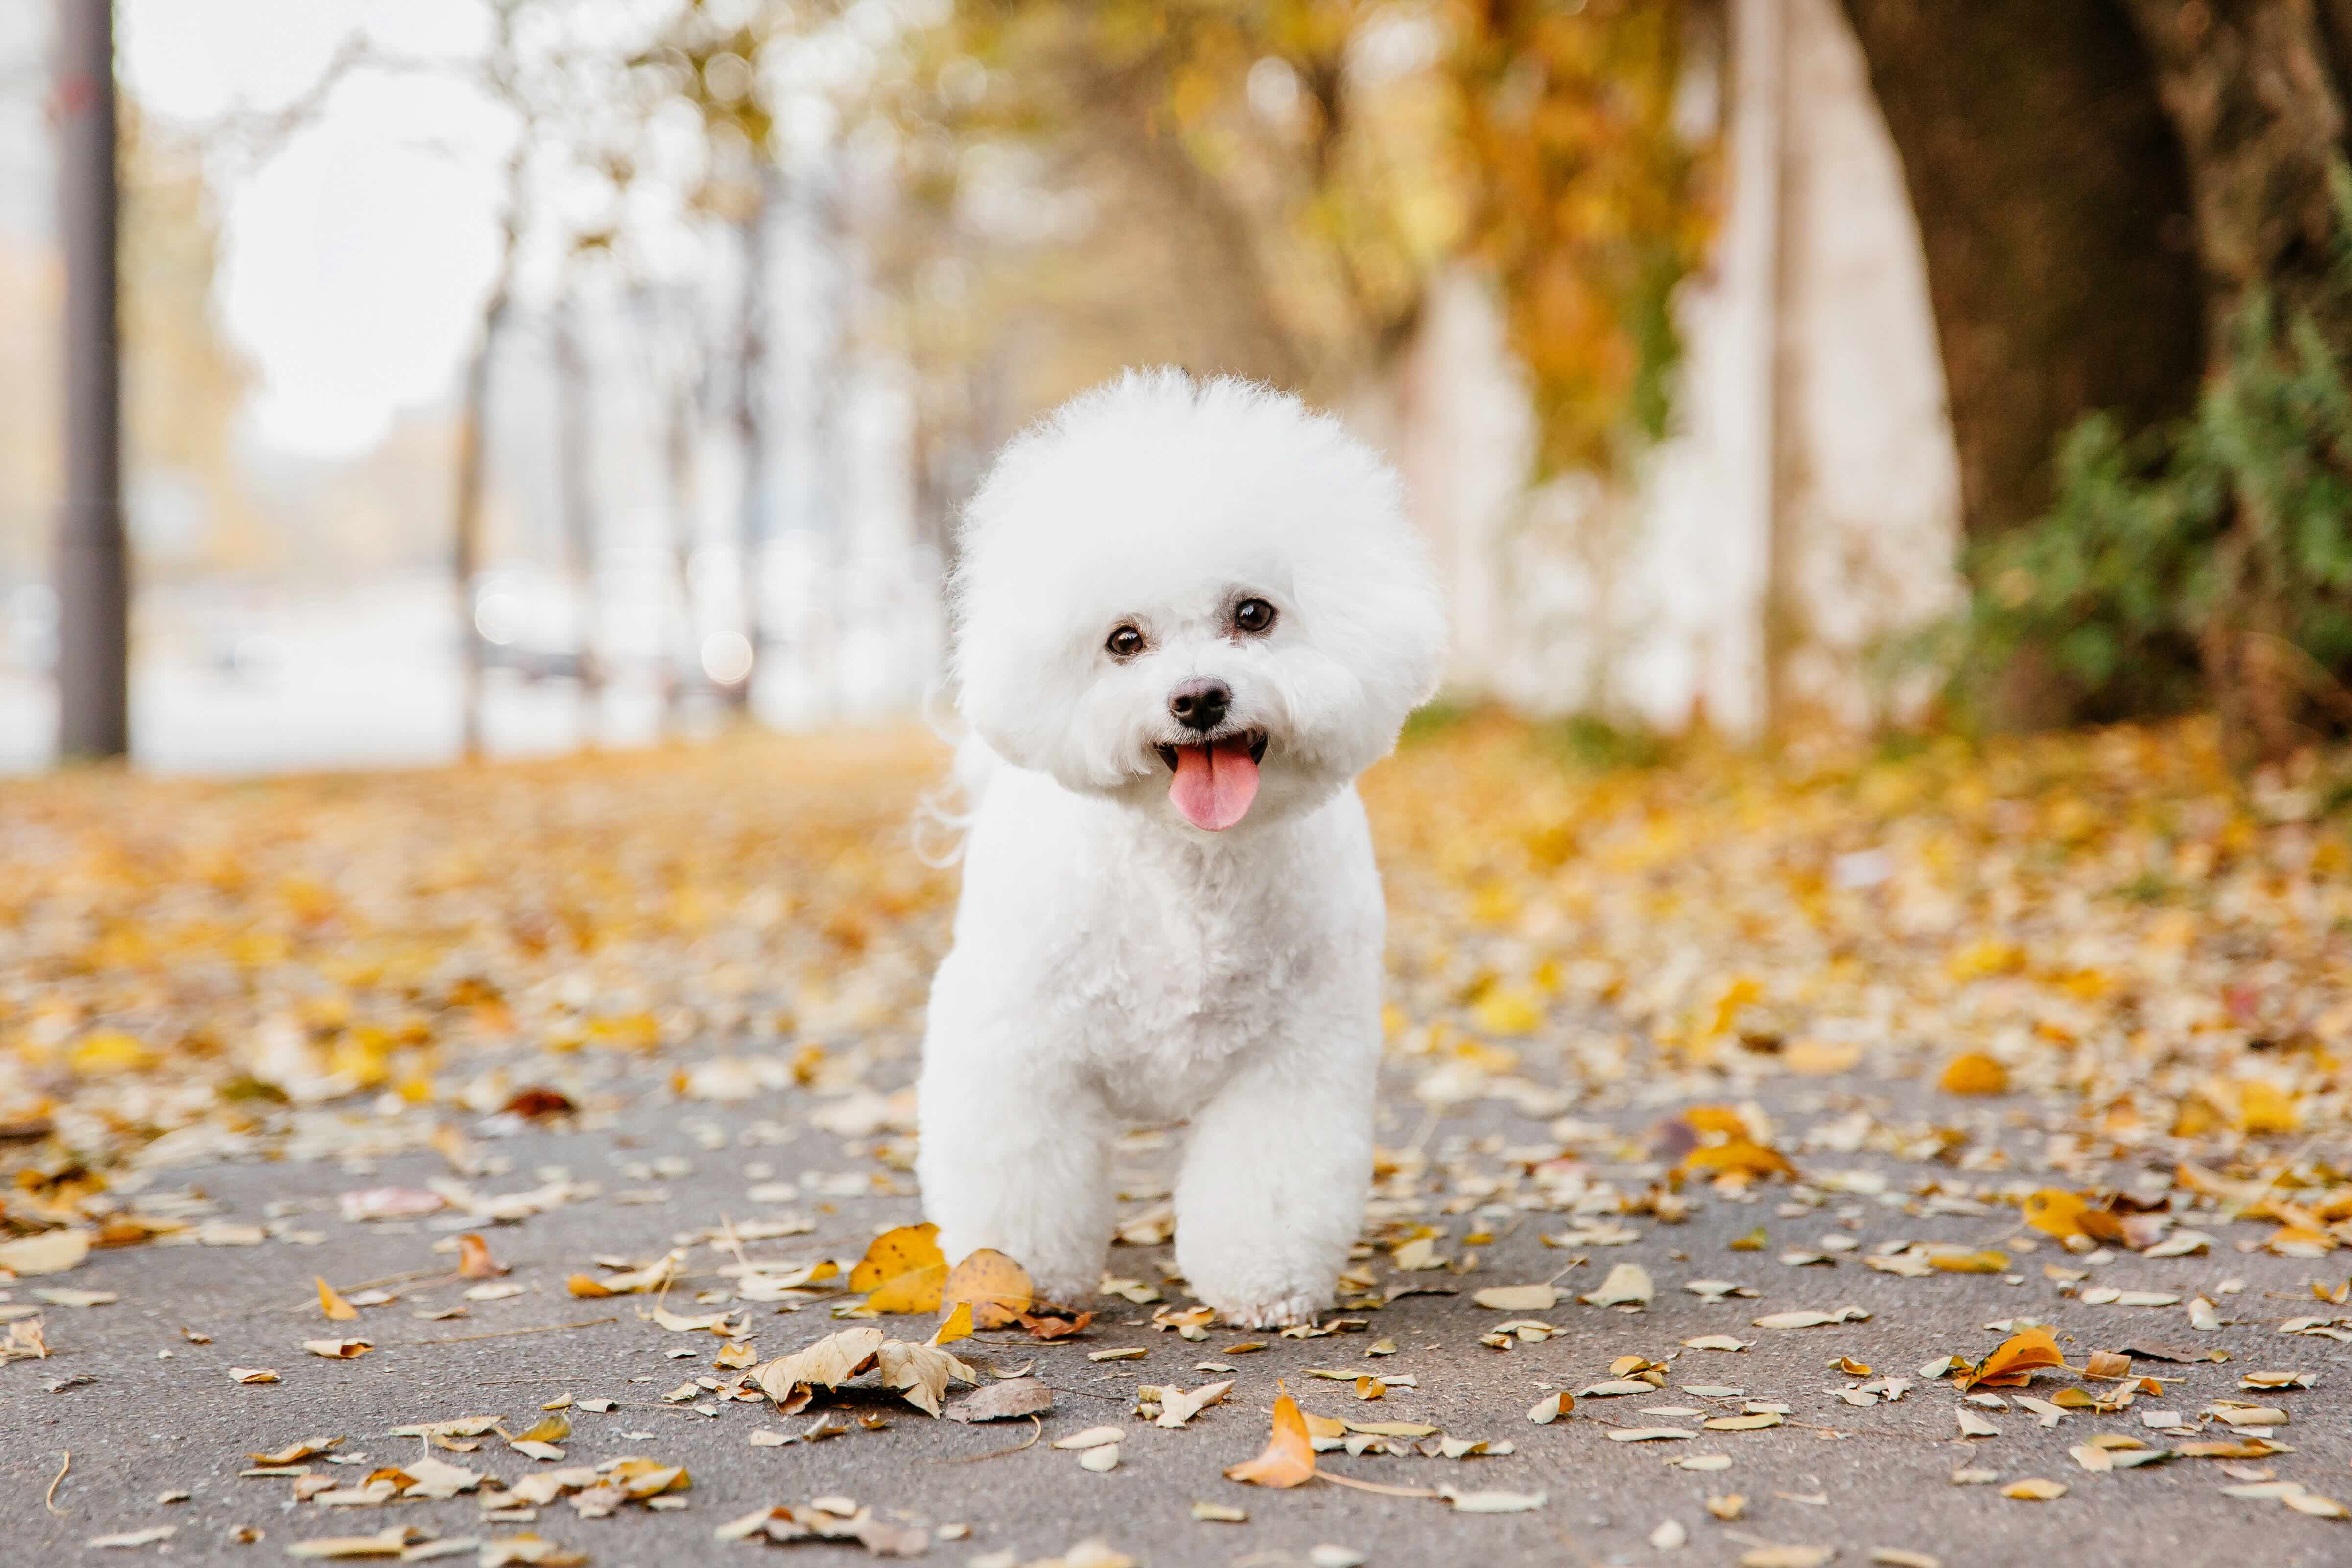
column 1551, row 1407
column 2106, row 1365
column 337, row 1349
column 332, row 1302
column 1974, row 1073
column 538, row 1103
column 921, row 1373
column 828, row 1363
column 997, row 1287
column 1177, row 1407
column 474, row 1260
column 2008, row 1366
column 1054, row 1328
column 1002, row 1401
column 253, row 1375
column 1290, row 1456
column 1787, row 1557
column 903, row 1270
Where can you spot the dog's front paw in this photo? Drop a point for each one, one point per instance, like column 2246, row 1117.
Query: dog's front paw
column 1287, row 1313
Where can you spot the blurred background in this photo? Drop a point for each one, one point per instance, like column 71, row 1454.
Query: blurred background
column 514, row 376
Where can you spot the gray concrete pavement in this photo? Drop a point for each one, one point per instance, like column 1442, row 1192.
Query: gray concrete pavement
column 144, row 1410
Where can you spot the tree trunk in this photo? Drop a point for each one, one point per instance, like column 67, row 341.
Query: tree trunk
column 2053, row 206
column 2256, row 90
column 752, row 411
column 93, row 571
column 576, row 499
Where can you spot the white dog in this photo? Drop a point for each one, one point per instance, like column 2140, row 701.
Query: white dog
column 1188, row 615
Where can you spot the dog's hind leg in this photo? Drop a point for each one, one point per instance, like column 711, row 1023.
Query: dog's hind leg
column 1017, row 1160
column 1275, row 1177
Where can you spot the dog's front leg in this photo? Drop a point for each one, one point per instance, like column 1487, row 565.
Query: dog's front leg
column 1274, row 1183
column 1017, row 1158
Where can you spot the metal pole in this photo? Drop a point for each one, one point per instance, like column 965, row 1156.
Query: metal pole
column 93, row 580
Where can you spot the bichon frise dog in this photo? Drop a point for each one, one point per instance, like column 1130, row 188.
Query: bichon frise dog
column 1187, row 615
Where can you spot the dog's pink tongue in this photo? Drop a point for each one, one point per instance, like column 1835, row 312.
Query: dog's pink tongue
column 1214, row 784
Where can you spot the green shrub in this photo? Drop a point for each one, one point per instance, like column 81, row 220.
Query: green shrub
column 2206, row 562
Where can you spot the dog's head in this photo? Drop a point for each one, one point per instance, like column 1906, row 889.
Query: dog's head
column 1200, row 599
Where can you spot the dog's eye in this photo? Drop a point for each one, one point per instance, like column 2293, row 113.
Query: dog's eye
column 1125, row 642
column 1254, row 616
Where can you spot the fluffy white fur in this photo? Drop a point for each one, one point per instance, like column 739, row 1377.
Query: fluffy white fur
column 1112, row 962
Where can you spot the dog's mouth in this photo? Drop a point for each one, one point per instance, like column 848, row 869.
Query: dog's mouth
column 1215, row 780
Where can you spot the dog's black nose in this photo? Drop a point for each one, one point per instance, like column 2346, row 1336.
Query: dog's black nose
column 1201, row 703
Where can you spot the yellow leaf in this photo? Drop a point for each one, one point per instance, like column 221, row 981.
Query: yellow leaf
column 332, row 1303
column 112, row 1051
column 2056, row 1212
column 2034, row 1490
column 956, row 1325
column 1740, row 1156
column 2264, row 1107
column 1290, row 1456
column 1974, row 1073
column 1507, row 1011
column 902, row 1271
column 997, row 1289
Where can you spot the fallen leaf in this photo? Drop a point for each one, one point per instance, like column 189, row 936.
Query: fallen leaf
column 1177, row 1407
column 50, row 1252
column 1092, row 1438
column 1974, row 1073
column 903, row 1270
column 997, row 1287
column 2010, row 1363
column 1787, row 1557
column 921, row 1373
column 1492, row 1502
column 1628, row 1284
column 332, row 1303
column 1290, row 1456
column 1518, row 1298
column 130, row 1538
column 2034, row 1490
column 474, row 1260
column 1003, row 1401
column 338, row 1349
column 1551, row 1407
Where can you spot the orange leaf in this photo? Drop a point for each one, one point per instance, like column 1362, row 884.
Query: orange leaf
column 585, row 1285
column 997, row 1287
column 474, row 1260
column 1290, row 1456
column 1741, row 1156
column 332, row 1302
column 902, row 1271
column 2017, row 1356
column 1974, row 1073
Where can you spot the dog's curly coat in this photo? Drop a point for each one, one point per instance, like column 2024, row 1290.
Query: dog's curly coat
column 1187, row 614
